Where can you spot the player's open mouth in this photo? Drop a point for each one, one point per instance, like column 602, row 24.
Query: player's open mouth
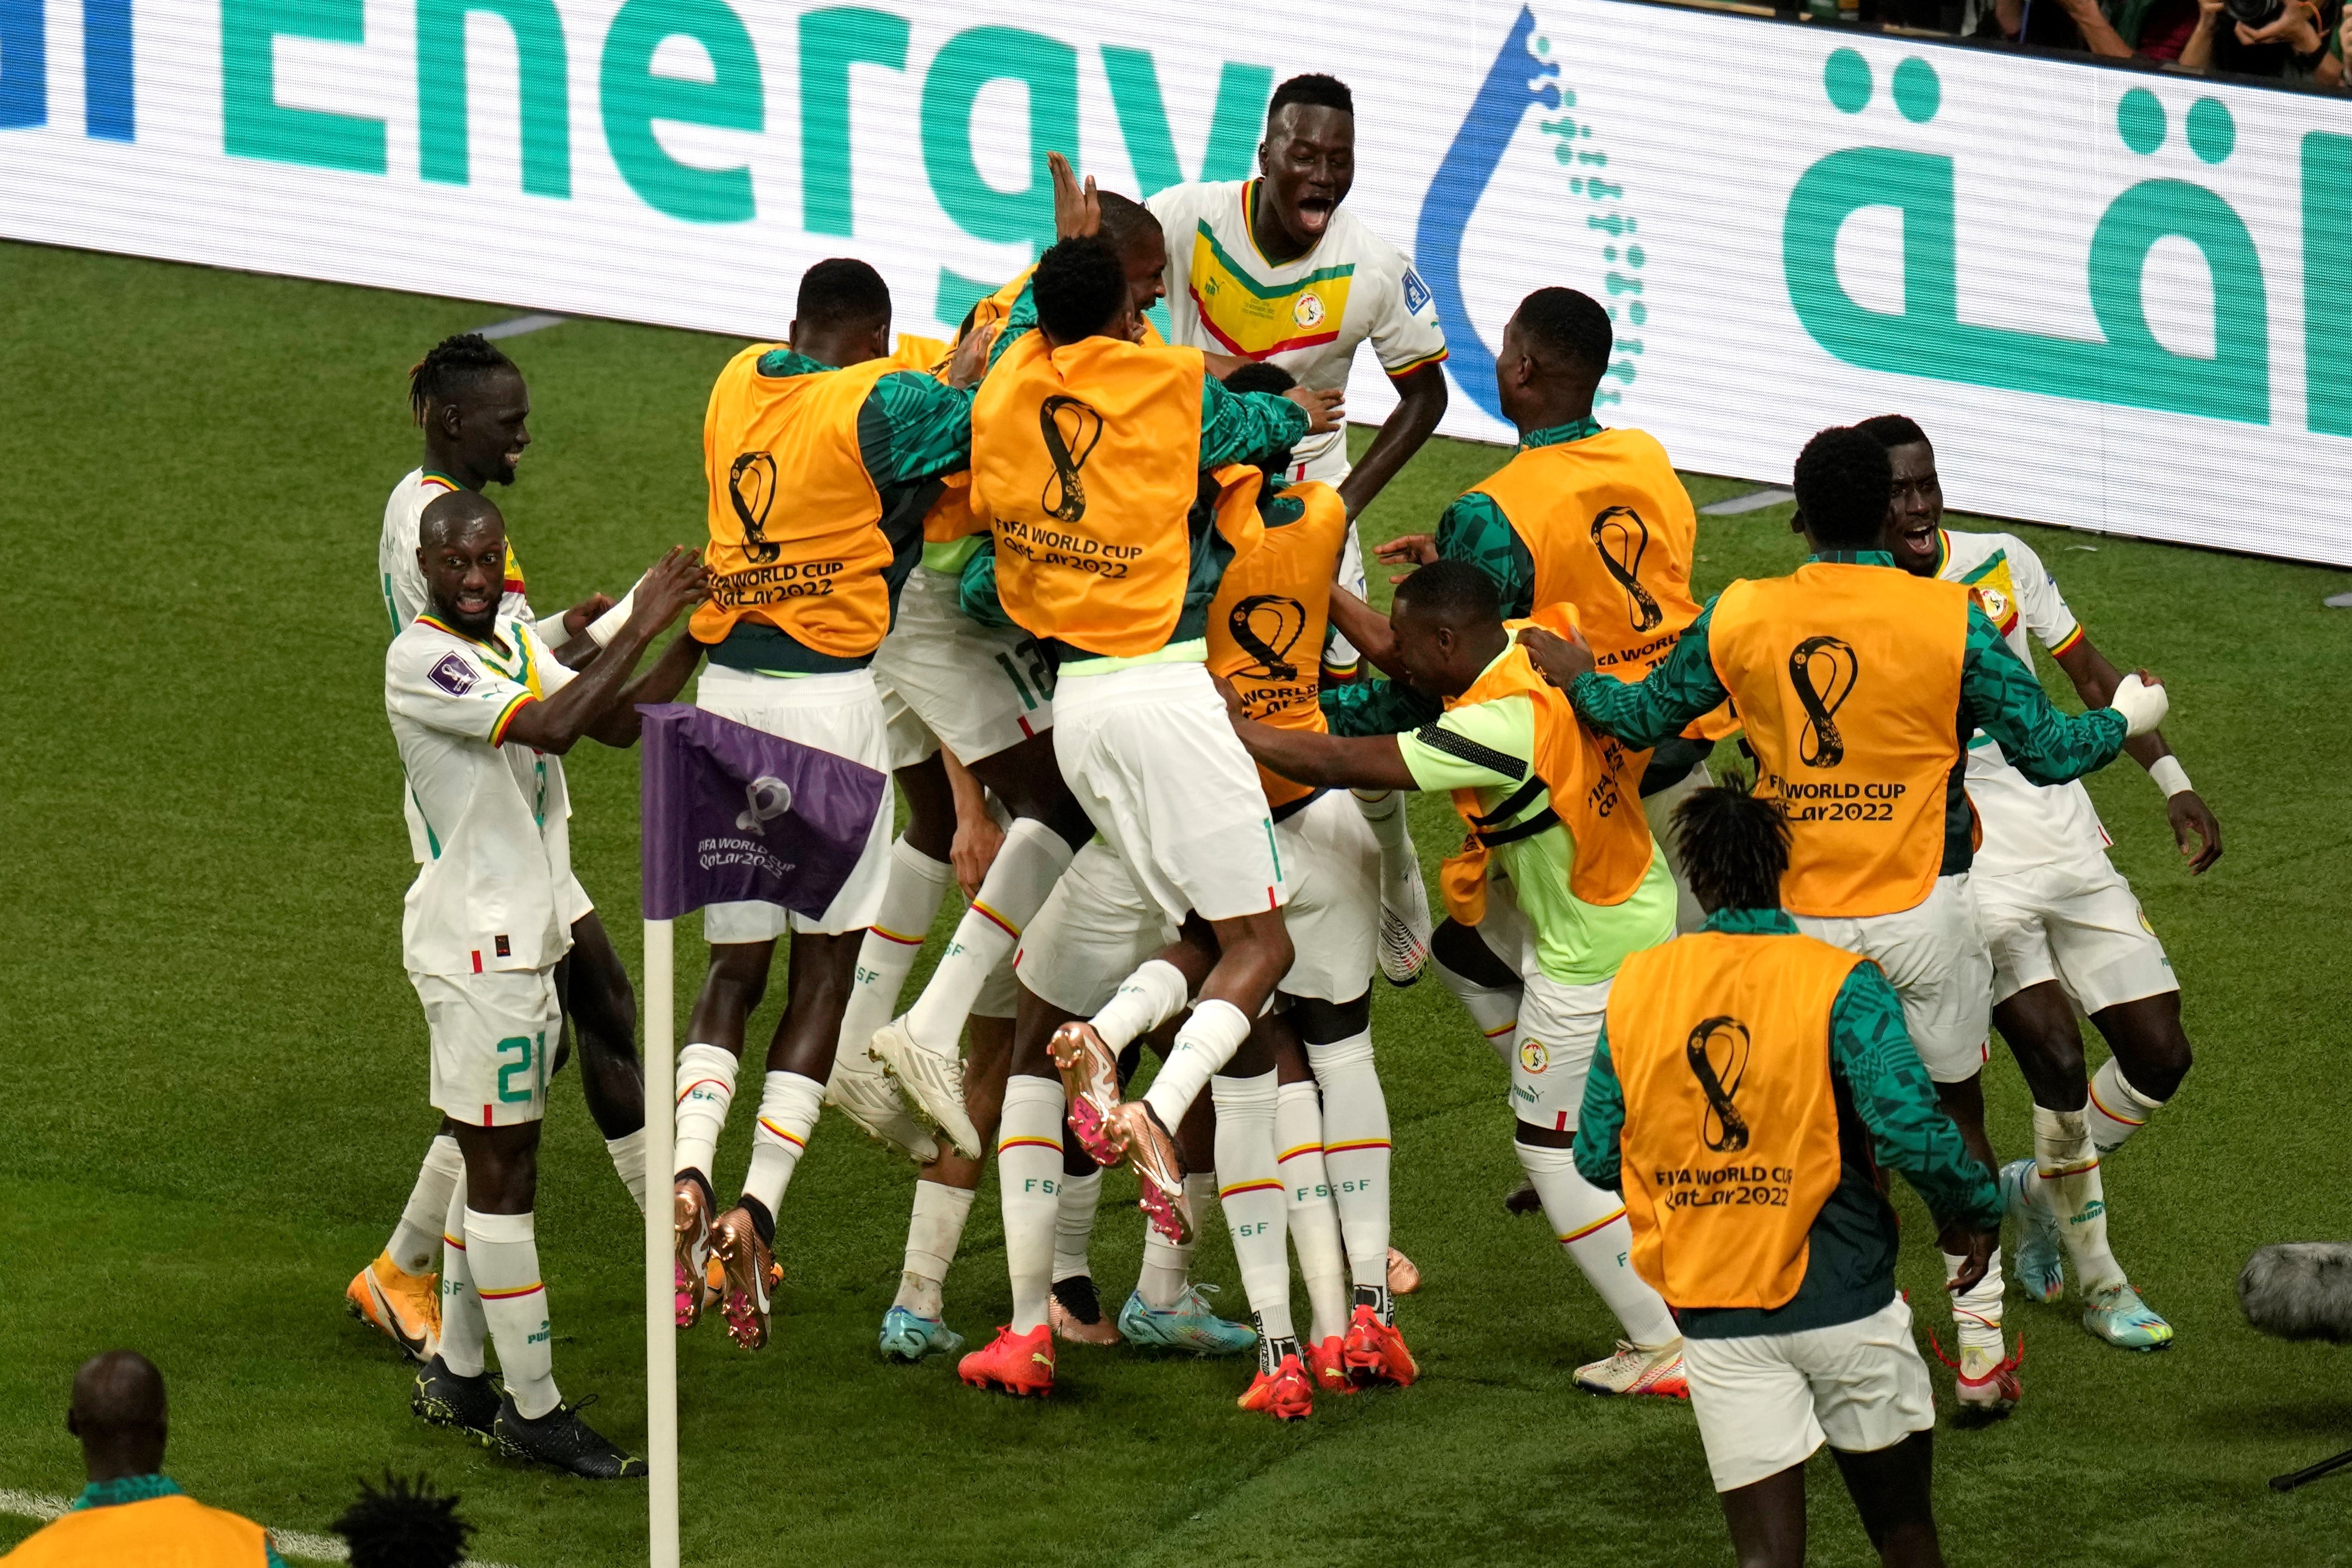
column 1920, row 540
column 1314, row 214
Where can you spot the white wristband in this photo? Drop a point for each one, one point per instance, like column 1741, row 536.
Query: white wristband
column 2169, row 777
column 607, row 627
column 2143, row 706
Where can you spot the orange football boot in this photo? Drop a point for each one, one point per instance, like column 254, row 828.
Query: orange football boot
column 1018, row 1364
column 406, row 1307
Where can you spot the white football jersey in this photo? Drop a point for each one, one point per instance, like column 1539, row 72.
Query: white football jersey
column 2026, row 824
column 490, row 892
column 1306, row 315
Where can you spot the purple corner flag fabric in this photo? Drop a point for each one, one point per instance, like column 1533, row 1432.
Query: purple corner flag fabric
column 732, row 813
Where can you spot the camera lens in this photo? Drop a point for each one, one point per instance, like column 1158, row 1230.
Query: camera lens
column 2255, row 13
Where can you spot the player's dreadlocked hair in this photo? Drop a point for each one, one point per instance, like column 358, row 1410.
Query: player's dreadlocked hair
column 1080, row 288
column 1454, row 592
column 449, row 367
column 1843, row 478
column 1570, row 327
column 1734, row 845
column 1317, row 91
column 405, row 1525
column 1893, row 430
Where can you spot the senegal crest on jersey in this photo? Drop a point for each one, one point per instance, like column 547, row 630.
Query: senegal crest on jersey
column 1995, row 593
column 1256, row 320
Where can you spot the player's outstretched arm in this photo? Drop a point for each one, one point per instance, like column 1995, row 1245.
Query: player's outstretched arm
column 2005, row 699
column 556, row 724
column 621, row 724
column 1641, row 713
column 1420, row 404
column 2194, row 826
column 1367, row 628
column 1320, row 762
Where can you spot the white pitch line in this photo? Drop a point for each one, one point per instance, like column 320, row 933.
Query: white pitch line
column 520, row 325
column 1755, row 500
column 298, row 1544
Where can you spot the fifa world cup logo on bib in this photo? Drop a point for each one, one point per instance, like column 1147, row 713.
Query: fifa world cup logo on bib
column 1266, row 627
column 1823, row 671
column 1622, row 539
column 1070, row 430
column 751, row 487
column 1719, row 1060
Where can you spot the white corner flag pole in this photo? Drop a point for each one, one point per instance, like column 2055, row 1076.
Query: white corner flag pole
column 661, row 1329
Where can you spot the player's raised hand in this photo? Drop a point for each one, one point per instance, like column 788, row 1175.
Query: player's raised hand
column 677, row 581
column 1559, row 659
column 1077, row 210
column 2196, row 829
column 1416, row 550
column 970, row 361
column 2141, row 699
column 1325, row 406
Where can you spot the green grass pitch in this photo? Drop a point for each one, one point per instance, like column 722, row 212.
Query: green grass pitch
column 215, row 1078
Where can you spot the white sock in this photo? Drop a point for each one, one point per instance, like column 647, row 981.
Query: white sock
column 918, row 886
column 1031, row 861
column 1029, row 1183
column 1205, row 1043
column 1493, row 1008
column 464, row 1331
column 2116, row 1110
column 1144, row 1000
column 1356, row 1152
column 1250, row 1189
column 788, row 1108
column 1307, row 1208
column 502, row 1252
column 1384, row 812
column 1976, row 1316
column 2065, row 1175
column 629, row 1160
column 416, row 1239
column 1168, row 1267
column 1590, row 1226
column 705, row 1087
column 933, row 1233
column 1074, row 1224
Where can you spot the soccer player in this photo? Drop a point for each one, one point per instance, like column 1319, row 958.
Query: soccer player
column 821, row 458
column 1545, row 804
column 986, row 693
column 1086, row 452
column 1748, row 1084
column 1331, row 1121
column 483, row 714
column 1276, row 268
column 1857, row 683
column 474, row 409
column 2061, row 922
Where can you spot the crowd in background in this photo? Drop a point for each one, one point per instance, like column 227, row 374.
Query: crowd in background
column 2292, row 42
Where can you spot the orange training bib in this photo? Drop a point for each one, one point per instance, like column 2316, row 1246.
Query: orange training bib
column 1266, row 622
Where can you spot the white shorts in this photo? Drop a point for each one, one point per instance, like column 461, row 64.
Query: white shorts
column 1936, row 960
column 1154, row 762
column 1660, row 810
column 1765, row 1402
column 1552, row 1052
column 2078, row 925
column 943, row 676
column 1332, row 863
column 1095, row 928
column 492, row 1034
column 841, row 713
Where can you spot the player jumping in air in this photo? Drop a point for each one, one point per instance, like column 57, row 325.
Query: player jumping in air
column 474, row 409
column 1856, row 683
column 2061, row 922
column 1277, row 269
column 483, row 713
